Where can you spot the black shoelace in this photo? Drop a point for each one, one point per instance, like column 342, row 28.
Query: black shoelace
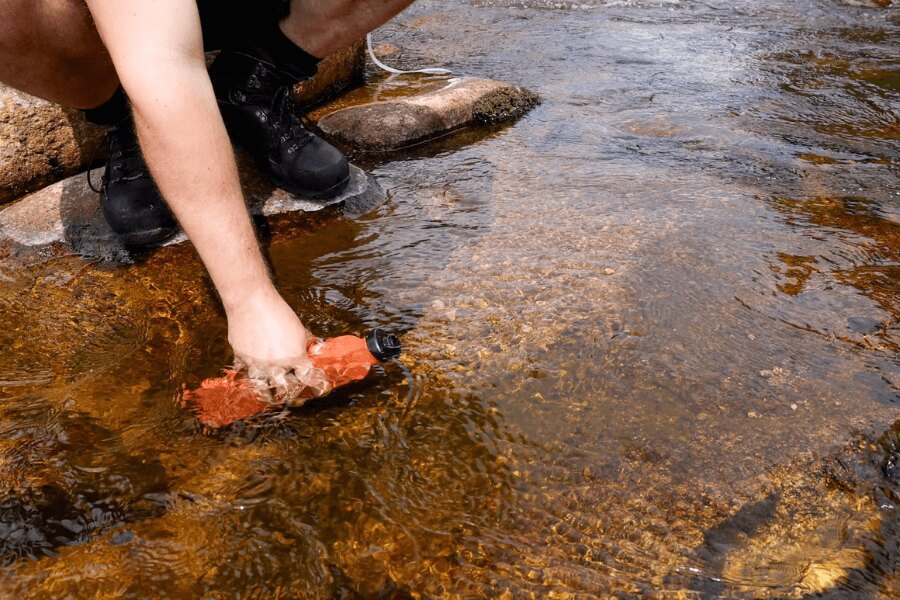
column 286, row 124
column 125, row 162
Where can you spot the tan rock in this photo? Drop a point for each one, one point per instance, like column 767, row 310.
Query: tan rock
column 454, row 103
column 42, row 142
column 337, row 73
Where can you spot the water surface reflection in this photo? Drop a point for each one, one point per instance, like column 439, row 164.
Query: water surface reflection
column 652, row 331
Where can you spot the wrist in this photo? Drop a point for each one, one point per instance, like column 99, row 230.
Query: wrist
column 250, row 299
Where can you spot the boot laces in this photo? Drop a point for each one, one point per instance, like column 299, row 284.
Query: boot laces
column 259, row 87
column 289, row 132
column 125, row 160
column 271, row 92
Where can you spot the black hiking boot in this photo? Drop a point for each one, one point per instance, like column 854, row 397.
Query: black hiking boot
column 256, row 101
column 131, row 202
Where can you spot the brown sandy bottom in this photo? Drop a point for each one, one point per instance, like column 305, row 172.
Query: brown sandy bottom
column 651, row 332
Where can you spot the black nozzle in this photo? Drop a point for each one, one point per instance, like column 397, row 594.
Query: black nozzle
column 383, row 345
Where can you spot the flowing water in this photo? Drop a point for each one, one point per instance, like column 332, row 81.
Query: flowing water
column 652, row 340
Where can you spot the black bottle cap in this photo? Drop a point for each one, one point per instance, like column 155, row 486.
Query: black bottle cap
column 383, row 345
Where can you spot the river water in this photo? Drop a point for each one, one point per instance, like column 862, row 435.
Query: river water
column 652, row 341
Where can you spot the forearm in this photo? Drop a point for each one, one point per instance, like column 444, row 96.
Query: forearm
column 189, row 153
column 157, row 49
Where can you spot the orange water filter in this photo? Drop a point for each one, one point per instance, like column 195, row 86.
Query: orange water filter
column 223, row 400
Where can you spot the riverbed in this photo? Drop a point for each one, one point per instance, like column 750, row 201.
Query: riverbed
column 651, row 333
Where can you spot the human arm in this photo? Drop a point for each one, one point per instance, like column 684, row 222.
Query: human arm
column 157, row 51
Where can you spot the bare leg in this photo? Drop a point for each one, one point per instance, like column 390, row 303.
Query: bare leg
column 50, row 48
column 321, row 28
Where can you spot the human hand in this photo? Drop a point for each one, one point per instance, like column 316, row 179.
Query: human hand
column 269, row 344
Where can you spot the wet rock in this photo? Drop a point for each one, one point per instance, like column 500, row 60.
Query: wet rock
column 67, row 214
column 338, row 72
column 42, row 142
column 454, row 103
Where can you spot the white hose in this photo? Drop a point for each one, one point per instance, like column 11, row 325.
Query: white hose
column 398, row 71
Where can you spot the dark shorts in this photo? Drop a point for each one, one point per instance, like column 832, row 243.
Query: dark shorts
column 224, row 19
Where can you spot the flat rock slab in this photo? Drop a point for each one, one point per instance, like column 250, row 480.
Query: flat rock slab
column 67, row 215
column 399, row 123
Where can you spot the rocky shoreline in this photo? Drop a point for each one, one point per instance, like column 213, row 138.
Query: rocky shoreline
column 45, row 149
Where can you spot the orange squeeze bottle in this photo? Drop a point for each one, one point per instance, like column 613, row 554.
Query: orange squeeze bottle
column 223, row 400
column 348, row 358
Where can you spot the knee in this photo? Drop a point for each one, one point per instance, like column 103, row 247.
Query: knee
column 51, row 50
column 94, row 85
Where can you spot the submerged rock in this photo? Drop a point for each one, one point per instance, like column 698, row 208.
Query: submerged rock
column 67, row 214
column 399, row 123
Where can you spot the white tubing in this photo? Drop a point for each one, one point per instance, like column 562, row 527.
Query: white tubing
column 398, row 71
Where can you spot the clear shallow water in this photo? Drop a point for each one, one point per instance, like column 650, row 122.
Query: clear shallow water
column 652, row 332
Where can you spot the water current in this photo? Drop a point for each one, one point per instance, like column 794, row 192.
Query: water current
column 652, row 340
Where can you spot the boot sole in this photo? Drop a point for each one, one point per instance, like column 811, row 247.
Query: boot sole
column 148, row 237
column 325, row 194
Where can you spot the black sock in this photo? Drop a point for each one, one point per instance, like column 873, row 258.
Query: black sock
column 267, row 42
column 110, row 112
